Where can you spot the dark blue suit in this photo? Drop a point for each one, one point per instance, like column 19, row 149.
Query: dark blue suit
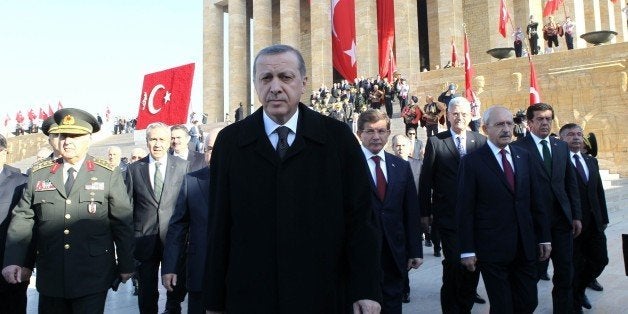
column 12, row 297
column 398, row 218
column 188, row 232
column 560, row 191
column 503, row 228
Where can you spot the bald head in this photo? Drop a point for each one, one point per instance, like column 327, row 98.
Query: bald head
column 210, row 138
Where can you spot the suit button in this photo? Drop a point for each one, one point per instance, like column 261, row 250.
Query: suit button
column 66, row 231
column 67, row 246
column 68, row 202
column 67, row 216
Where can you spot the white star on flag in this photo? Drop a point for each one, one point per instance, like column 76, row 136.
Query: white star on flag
column 351, row 52
column 167, row 97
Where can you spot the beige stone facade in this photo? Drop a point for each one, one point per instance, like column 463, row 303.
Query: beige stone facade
column 586, row 85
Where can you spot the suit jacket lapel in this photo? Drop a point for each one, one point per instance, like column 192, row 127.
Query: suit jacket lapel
column 491, row 162
column 391, row 167
column 517, row 167
column 534, row 151
column 81, row 177
column 449, row 142
column 203, row 187
column 145, row 175
column 3, row 175
column 171, row 170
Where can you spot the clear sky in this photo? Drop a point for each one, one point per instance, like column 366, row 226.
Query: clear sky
column 93, row 54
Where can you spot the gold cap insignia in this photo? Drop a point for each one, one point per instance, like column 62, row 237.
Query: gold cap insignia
column 68, row 120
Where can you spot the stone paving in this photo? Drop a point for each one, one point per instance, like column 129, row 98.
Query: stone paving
column 425, row 282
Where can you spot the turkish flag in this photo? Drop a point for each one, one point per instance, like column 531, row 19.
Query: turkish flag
column 551, row 6
column 166, row 96
column 343, row 38
column 614, row 1
column 6, row 120
column 503, row 18
column 59, row 105
column 31, row 115
column 50, row 112
column 386, row 37
column 19, row 118
column 468, row 72
column 454, row 55
column 535, row 91
column 42, row 114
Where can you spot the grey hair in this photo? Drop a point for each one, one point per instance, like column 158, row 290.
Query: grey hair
column 398, row 137
column 155, row 125
column 279, row 49
column 489, row 111
column 460, row 102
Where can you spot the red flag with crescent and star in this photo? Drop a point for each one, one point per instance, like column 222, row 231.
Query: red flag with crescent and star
column 166, row 96
column 535, row 92
column 31, row 115
column 50, row 112
column 42, row 114
column 503, row 18
column 343, row 38
column 454, row 55
column 386, row 37
column 19, row 118
column 551, row 6
column 468, row 72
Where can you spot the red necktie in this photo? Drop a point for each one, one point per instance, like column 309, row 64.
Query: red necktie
column 381, row 180
column 510, row 175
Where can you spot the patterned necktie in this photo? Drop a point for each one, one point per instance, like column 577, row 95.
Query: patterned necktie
column 380, row 179
column 460, row 147
column 510, row 174
column 70, row 181
column 580, row 168
column 547, row 157
column 158, row 181
column 282, row 144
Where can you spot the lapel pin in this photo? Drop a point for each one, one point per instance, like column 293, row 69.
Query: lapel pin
column 517, row 156
column 94, row 178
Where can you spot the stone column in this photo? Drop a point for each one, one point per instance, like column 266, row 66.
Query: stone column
column 445, row 20
column 213, row 100
column 290, row 22
column 620, row 22
column 238, row 53
column 262, row 31
column 407, row 41
column 579, row 19
column 605, row 16
column 366, row 37
column 319, row 56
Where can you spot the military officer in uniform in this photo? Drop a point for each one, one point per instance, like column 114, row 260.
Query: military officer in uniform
column 78, row 208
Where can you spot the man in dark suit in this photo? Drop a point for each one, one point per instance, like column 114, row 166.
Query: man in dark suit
column 437, row 196
column 503, row 226
column 12, row 297
column 179, row 147
column 560, row 190
column 590, row 253
column 290, row 227
column 80, row 214
column 395, row 205
column 153, row 183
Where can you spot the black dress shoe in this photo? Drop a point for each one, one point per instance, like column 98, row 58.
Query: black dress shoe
column 595, row 285
column 478, row 299
column 545, row 277
column 428, row 243
column 405, row 298
column 585, row 302
column 437, row 253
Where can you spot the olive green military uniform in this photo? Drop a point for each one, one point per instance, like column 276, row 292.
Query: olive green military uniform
column 76, row 232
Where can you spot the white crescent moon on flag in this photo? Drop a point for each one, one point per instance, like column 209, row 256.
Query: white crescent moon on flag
column 534, row 92
column 151, row 97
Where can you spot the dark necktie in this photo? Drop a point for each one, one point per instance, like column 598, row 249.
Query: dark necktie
column 580, row 168
column 282, row 144
column 158, row 181
column 460, row 146
column 70, row 181
column 510, row 175
column 547, row 157
column 380, row 178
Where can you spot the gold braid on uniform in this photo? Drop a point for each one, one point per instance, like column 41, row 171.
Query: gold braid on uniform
column 45, row 163
column 104, row 163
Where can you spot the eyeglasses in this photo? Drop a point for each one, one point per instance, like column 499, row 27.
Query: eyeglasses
column 380, row 132
column 208, row 149
column 411, row 133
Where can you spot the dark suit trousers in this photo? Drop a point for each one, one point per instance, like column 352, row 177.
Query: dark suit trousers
column 89, row 304
column 392, row 282
column 459, row 284
column 148, row 279
column 13, row 298
column 562, row 260
column 195, row 303
column 511, row 286
column 590, row 257
column 389, row 107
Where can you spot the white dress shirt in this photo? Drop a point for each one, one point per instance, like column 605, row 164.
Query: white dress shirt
column 539, row 146
column 463, row 139
column 67, row 166
column 162, row 168
column 270, row 126
column 371, row 163
column 584, row 164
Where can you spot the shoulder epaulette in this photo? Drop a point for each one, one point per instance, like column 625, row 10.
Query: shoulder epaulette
column 104, row 163
column 42, row 164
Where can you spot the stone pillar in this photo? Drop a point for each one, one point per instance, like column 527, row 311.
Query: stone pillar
column 290, row 22
column 238, row 56
column 407, row 41
column 319, row 66
column 213, row 100
column 605, row 16
column 445, row 20
column 366, row 38
column 620, row 22
column 262, row 31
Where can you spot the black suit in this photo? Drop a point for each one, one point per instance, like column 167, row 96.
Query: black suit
column 590, row 253
column 151, row 218
column 437, row 196
column 187, row 237
column 196, row 160
column 398, row 219
column 560, row 190
column 12, row 296
column 502, row 227
column 291, row 235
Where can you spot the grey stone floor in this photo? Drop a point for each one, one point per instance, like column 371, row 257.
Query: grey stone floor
column 425, row 282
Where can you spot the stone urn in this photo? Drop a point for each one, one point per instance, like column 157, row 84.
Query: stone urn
column 598, row 37
column 501, row 53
